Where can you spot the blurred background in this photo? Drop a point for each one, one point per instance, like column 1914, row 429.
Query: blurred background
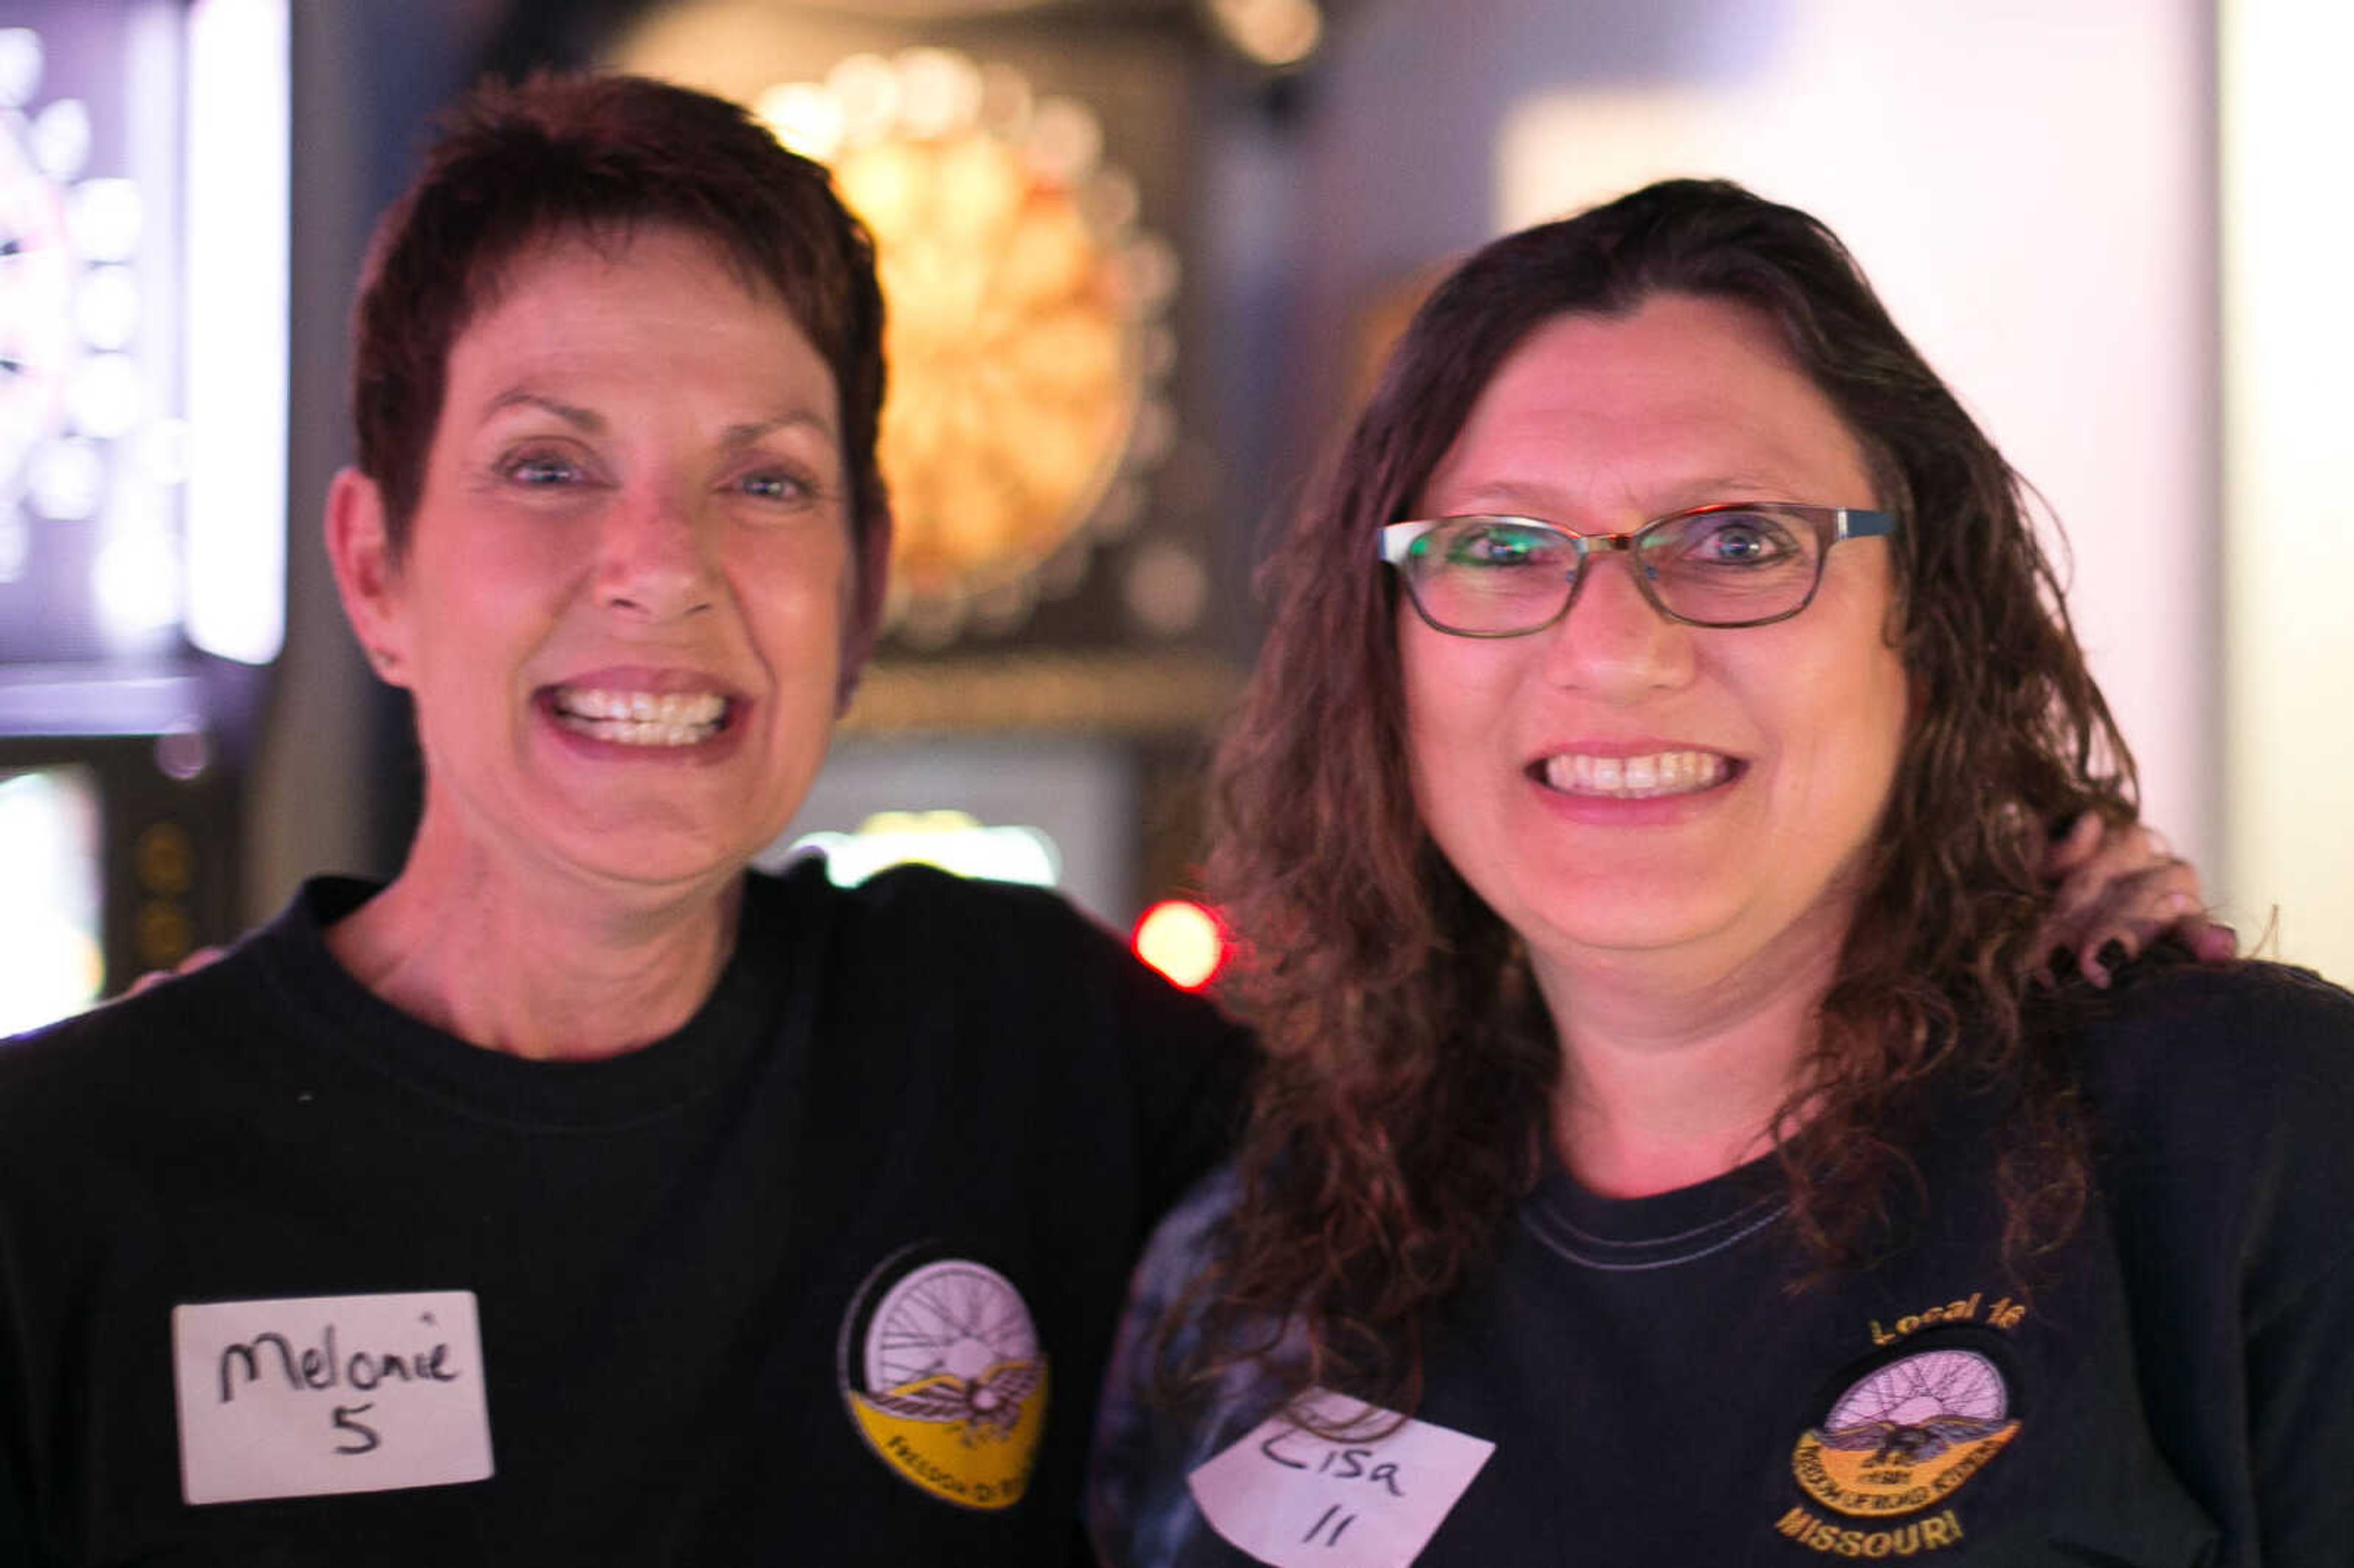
column 1139, row 255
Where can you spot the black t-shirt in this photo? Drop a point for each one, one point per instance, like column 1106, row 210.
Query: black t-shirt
column 2174, row 1386
column 826, row 1277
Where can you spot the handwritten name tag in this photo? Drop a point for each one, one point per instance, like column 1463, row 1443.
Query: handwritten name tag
column 309, row 1395
column 1296, row 1500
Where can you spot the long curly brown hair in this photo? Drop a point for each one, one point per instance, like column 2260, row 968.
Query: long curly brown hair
column 1406, row 1102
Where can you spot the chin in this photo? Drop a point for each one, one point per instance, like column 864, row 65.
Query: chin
column 1631, row 918
column 655, row 859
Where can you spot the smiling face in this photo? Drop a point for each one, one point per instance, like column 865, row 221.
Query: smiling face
column 1619, row 784
column 628, row 596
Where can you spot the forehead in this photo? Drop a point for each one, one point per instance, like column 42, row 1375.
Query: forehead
column 577, row 297
column 1679, row 402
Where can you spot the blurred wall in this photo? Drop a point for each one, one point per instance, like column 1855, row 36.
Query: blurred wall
column 2288, row 335
column 366, row 77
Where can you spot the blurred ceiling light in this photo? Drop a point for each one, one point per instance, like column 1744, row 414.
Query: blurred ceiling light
column 104, row 219
column 867, row 89
column 106, row 307
column 105, row 395
column 67, row 480
column 805, row 117
column 1277, row 34
column 20, row 65
column 61, row 138
column 135, row 581
column 939, row 92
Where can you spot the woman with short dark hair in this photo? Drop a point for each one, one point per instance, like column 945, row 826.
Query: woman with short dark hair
column 582, row 1195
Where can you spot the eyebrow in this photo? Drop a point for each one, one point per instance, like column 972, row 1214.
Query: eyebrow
column 571, row 414
column 749, row 434
column 590, row 422
column 1521, row 499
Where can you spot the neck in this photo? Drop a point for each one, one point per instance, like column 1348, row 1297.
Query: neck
column 536, row 964
column 1674, row 1066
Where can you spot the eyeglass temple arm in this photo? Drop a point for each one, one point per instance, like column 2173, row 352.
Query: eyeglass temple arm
column 1855, row 523
column 1396, row 538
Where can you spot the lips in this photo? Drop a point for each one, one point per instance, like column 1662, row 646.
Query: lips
column 1647, row 776
column 622, row 717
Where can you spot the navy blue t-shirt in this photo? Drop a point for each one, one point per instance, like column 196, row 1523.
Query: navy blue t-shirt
column 2174, row 1386
column 828, row 1275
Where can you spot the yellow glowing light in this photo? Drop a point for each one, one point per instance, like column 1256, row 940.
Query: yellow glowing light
column 953, row 841
column 1183, row 941
column 1022, row 330
column 1275, row 32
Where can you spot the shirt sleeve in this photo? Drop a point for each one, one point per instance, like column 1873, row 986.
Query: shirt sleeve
column 2226, row 1125
column 1191, row 1065
column 2301, row 1421
column 1151, row 1438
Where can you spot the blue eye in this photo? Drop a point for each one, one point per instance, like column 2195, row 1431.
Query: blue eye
column 1736, row 539
column 541, row 470
column 1488, row 544
column 772, row 484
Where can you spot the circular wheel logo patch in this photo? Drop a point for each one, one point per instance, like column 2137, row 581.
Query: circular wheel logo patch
column 940, row 1366
column 1907, row 1435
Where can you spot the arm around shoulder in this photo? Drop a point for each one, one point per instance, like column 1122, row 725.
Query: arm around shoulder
column 2223, row 1103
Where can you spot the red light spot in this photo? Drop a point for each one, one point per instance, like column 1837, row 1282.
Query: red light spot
column 1183, row 941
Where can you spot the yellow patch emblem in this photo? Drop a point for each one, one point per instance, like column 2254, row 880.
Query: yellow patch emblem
column 1907, row 1435
column 943, row 1374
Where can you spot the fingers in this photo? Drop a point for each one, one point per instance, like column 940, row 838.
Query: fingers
column 2123, row 890
column 2072, row 849
column 2101, row 864
column 2112, row 939
column 2213, row 941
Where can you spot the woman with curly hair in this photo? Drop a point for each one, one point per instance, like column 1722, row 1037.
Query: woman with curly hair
column 1664, row 1152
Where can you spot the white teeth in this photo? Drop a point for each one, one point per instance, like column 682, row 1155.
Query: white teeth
column 641, row 718
column 1636, row 778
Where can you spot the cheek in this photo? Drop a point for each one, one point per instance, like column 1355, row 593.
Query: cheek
column 1861, row 721
column 798, row 607
column 1427, row 744
column 1453, row 711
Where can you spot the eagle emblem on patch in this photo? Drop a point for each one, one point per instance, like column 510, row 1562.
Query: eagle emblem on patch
column 943, row 1375
column 1907, row 1435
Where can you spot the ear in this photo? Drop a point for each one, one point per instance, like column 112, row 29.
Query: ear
column 367, row 575
column 864, row 623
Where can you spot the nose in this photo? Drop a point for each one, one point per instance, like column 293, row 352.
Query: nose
column 655, row 557
column 1614, row 644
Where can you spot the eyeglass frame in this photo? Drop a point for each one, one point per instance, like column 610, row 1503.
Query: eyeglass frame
column 1841, row 522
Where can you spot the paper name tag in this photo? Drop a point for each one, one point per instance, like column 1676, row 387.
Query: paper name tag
column 1296, row 1500
column 314, row 1395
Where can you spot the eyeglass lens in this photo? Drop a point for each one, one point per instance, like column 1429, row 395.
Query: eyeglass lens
column 1498, row 575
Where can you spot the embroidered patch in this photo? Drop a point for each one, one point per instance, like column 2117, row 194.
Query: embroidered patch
column 1294, row 1499
column 940, row 1366
column 1907, row 1435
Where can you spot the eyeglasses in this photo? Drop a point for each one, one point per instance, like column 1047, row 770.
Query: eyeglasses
column 1747, row 562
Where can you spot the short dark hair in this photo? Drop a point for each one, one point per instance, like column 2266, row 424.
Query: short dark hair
column 600, row 156
column 1405, row 1104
